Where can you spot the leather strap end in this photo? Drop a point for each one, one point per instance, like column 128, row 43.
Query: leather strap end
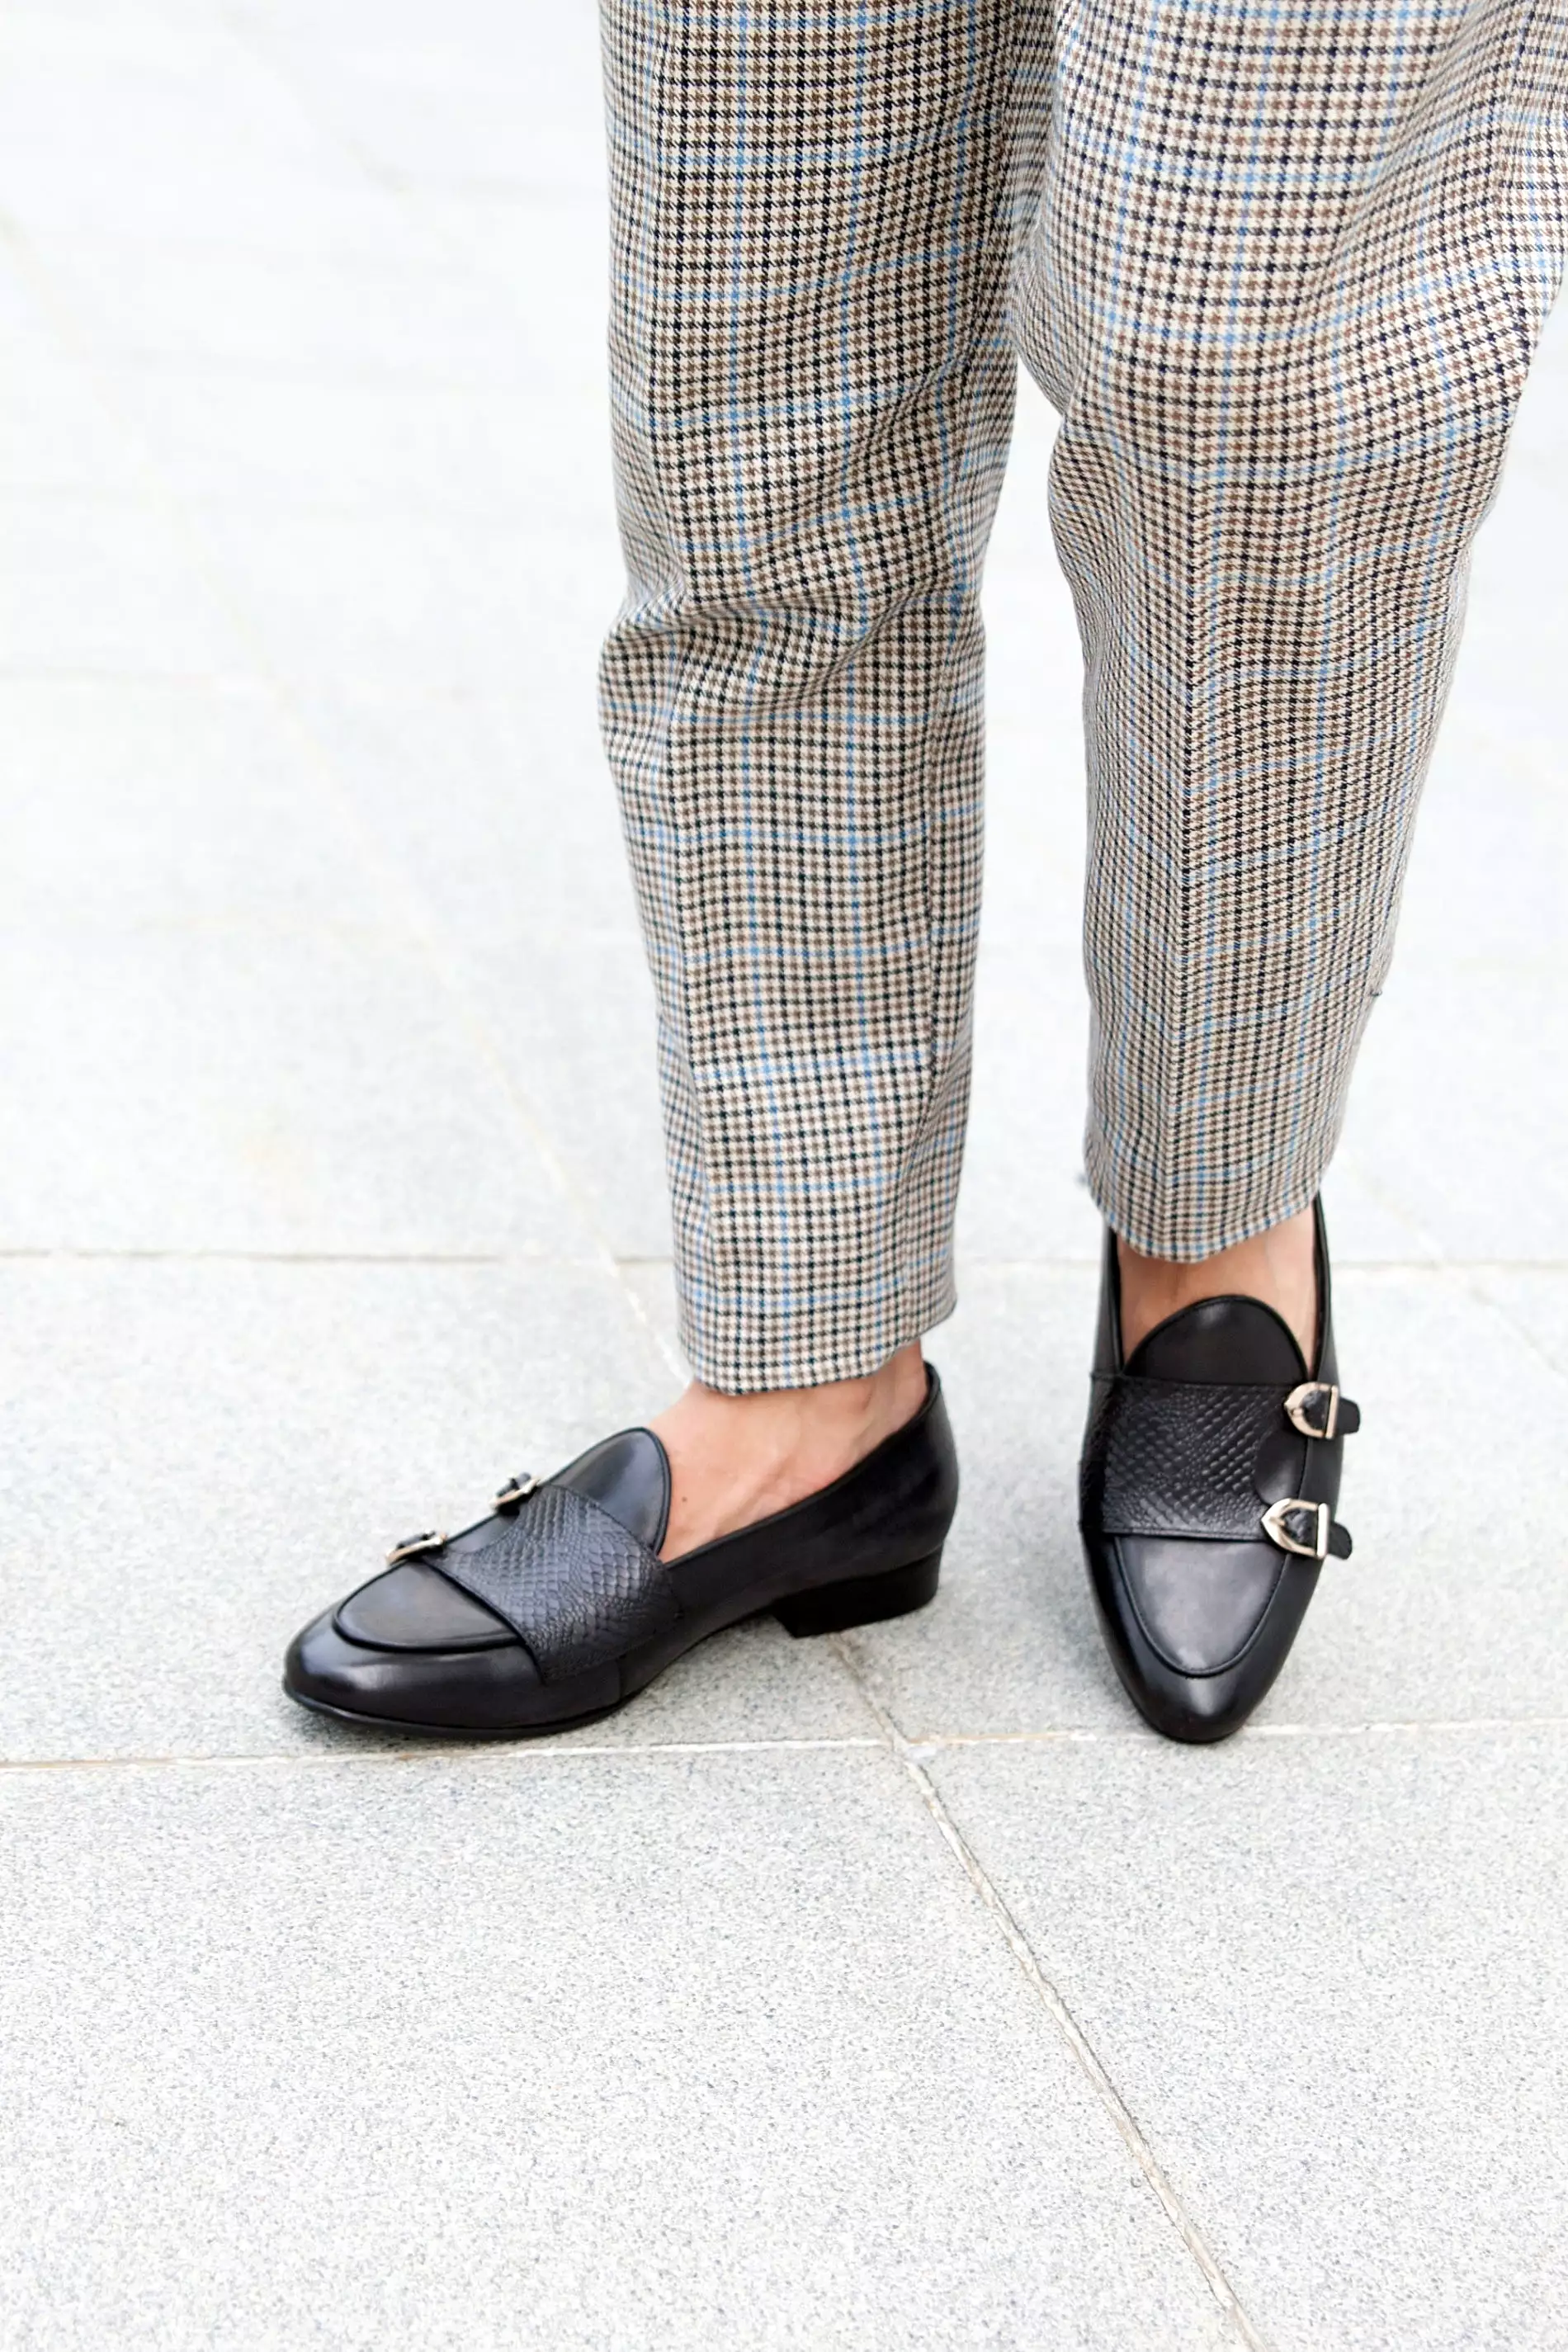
column 1307, row 1529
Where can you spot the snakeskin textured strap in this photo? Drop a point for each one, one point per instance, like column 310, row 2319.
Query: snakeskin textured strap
column 574, row 1585
column 1183, row 1457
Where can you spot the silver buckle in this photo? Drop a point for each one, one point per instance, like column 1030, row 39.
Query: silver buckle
column 1300, row 1399
column 515, row 1491
column 1274, row 1526
column 430, row 1541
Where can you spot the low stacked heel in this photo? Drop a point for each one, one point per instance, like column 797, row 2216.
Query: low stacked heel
column 862, row 1599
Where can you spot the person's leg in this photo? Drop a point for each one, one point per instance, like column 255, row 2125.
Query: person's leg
column 1284, row 287
column 1287, row 277
column 813, row 394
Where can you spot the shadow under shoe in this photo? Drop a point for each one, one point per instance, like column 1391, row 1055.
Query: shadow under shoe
column 1208, row 1486
column 557, row 1608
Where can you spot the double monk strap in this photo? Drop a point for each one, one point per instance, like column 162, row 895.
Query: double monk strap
column 1212, row 1459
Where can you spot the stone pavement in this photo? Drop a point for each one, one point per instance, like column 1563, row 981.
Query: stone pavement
column 895, row 1991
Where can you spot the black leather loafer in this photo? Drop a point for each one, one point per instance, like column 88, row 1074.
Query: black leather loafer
column 1208, row 1486
column 557, row 1608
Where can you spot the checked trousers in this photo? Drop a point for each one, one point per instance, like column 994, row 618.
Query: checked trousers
column 1281, row 265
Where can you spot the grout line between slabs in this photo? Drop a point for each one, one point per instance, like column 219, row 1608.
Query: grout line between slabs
column 981, row 1260
column 620, row 1263
column 496, row 1752
column 1072, row 2034
column 1133, row 1735
column 115, row 1255
column 641, row 1261
column 916, row 1745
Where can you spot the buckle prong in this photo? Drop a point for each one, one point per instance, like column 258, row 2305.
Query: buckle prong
column 1298, row 1404
column 1275, row 1529
column 515, row 1491
column 412, row 1548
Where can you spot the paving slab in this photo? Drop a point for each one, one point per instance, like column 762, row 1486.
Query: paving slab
column 1367, row 1227
column 483, row 451
column 57, row 433
column 576, row 1022
column 1024, row 1194
column 1458, row 1102
column 406, row 601
column 160, row 124
column 501, row 818
column 26, row 332
column 1456, row 1111
column 1035, row 827
column 335, row 319
column 199, row 800
column 546, row 253
column 196, row 1457
column 480, row 97
column 498, row 807
column 1496, row 781
column 97, row 583
column 1034, row 665
column 716, row 2050
column 1328, row 1975
column 1009, row 1643
column 1535, row 1301
column 1449, row 1609
column 256, row 1087
column 1511, row 665
column 230, row 987
column 650, row 1281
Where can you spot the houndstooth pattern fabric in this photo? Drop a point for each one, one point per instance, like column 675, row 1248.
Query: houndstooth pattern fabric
column 1281, row 267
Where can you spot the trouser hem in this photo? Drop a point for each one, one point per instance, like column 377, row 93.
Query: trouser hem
column 743, row 1349
column 1190, row 1228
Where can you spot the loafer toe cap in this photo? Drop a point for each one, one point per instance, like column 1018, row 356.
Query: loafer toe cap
column 1198, row 1632
column 411, row 1690
column 1201, row 1605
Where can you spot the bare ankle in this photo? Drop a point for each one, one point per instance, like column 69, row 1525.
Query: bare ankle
column 1278, row 1266
column 736, row 1459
